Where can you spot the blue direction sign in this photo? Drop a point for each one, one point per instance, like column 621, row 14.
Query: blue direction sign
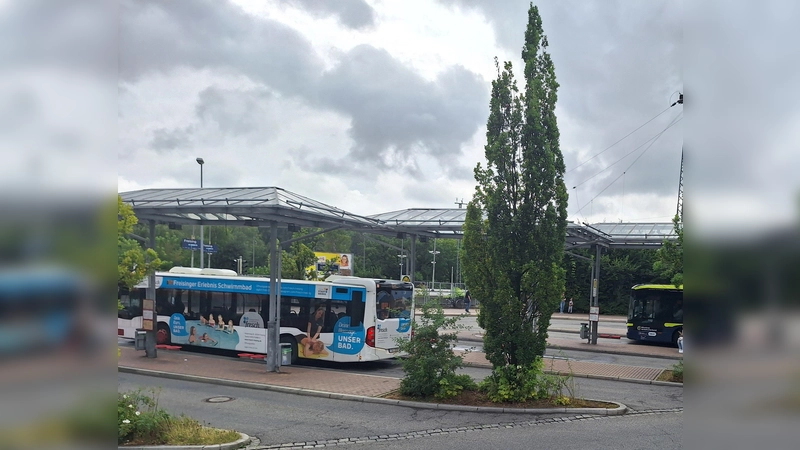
column 194, row 244
column 191, row 244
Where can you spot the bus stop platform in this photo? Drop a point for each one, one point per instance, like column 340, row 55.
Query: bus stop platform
column 300, row 379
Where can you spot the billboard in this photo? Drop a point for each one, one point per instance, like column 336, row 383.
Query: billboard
column 332, row 263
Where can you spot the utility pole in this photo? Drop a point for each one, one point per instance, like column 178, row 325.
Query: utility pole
column 433, row 275
column 679, row 211
column 202, row 244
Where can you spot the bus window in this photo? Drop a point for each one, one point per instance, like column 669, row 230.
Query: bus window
column 655, row 313
column 383, row 304
column 356, row 311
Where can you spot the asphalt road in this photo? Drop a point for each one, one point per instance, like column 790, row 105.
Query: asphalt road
column 276, row 418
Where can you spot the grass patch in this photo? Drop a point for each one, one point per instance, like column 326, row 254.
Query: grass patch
column 666, row 375
column 142, row 422
column 187, row 431
column 674, row 375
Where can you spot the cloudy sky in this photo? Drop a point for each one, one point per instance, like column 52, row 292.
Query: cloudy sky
column 377, row 105
column 374, row 105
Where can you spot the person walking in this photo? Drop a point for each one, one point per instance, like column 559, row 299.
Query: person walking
column 467, row 301
column 570, row 306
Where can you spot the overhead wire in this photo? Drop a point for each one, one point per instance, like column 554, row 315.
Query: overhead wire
column 653, row 139
column 677, row 119
column 620, row 140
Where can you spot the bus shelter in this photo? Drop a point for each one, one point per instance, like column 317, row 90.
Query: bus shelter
column 256, row 207
column 275, row 207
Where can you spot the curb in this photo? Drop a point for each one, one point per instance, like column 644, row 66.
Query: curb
column 600, row 335
column 619, row 410
column 588, row 349
column 241, row 442
column 613, row 352
column 596, row 377
column 577, row 317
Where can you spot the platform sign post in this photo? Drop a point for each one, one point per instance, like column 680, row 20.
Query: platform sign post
column 148, row 315
column 594, row 313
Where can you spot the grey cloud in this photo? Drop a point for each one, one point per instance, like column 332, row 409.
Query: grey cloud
column 74, row 34
column 396, row 113
column 158, row 36
column 651, row 163
column 165, row 140
column 618, row 64
column 235, row 112
column 223, row 114
column 351, row 13
column 744, row 95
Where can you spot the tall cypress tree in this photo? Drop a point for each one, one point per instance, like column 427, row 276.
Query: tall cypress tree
column 515, row 227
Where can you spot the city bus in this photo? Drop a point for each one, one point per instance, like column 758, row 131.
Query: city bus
column 349, row 319
column 44, row 309
column 655, row 313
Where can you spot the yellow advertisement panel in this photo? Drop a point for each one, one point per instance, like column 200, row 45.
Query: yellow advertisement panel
column 332, row 264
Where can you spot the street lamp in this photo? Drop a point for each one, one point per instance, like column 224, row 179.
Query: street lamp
column 433, row 275
column 401, row 265
column 201, row 162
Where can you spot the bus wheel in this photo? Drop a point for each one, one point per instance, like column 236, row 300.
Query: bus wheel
column 288, row 339
column 675, row 337
column 162, row 335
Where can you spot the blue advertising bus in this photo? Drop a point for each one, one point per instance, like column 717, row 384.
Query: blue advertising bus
column 346, row 319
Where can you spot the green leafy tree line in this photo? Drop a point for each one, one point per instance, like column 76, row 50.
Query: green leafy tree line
column 669, row 260
column 134, row 262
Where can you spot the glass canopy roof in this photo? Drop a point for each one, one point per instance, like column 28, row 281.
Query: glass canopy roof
column 258, row 206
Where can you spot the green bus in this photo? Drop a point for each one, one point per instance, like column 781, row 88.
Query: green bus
column 655, row 313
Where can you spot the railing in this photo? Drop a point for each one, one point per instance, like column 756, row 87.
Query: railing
column 447, row 295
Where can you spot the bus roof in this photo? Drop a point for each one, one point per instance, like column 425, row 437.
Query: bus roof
column 657, row 286
column 230, row 274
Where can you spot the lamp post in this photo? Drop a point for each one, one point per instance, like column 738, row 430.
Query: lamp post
column 433, row 275
column 401, row 265
column 201, row 162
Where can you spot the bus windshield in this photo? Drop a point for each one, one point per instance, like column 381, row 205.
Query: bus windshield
column 655, row 313
column 656, row 305
column 394, row 300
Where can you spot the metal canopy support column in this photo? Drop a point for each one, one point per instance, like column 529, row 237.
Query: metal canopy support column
column 272, row 343
column 595, row 291
column 412, row 269
column 276, row 332
column 150, row 336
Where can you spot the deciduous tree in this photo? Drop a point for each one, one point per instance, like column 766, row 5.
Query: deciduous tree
column 516, row 222
column 133, row 261
column 670, row 256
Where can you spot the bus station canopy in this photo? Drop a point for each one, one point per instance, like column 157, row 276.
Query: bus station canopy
column 448, row 223
column 259, row 206
column 241, row 206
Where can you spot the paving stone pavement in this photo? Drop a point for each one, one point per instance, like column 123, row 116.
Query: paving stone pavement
column 185, row 363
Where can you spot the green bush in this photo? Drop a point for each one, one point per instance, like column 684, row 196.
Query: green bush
column 677, row 372
column 517, row 384
column 140, row 418
column 430, row 367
